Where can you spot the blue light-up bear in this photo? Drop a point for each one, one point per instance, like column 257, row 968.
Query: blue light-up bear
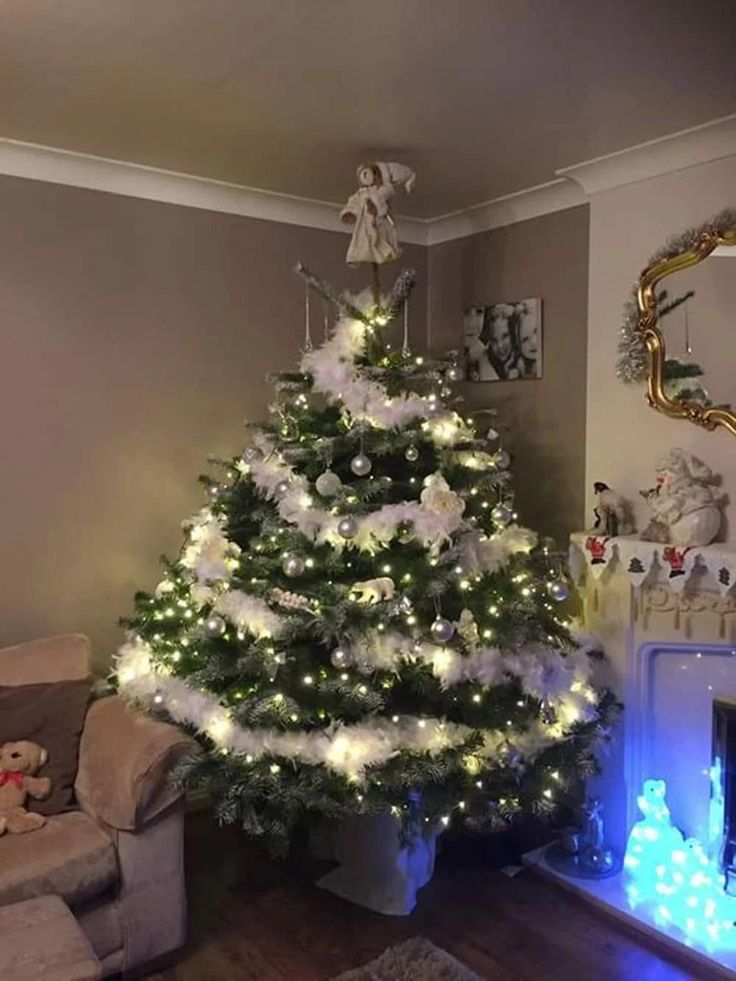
column 651, row 843
column 673, row 878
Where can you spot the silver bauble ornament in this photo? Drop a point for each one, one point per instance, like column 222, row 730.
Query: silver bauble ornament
column 411, row 453
column 558, row 591
column 502, row 459
column 293, row 565
column 501, row 514
column 328, row 484
column 405, row 604
column 347, row 527
column 252, row 453
column 339, row 658
column 442, row 630
column 214, row 627
column 361, row 465
column 454, row 373
column 281, row 488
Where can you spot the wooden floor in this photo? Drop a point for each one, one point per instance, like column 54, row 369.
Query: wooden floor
column 255, row 919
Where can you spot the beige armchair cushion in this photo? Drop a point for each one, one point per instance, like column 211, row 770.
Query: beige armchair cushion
column 71, row 857
column 125, row 763
column 67, row 657
column 41, row 940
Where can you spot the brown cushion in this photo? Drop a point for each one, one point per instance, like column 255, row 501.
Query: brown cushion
column 52, row 716
column 71, row 857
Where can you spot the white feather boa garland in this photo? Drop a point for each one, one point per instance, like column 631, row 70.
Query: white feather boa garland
column 250, row 614
column 431, row 526
column 543, row 672
column 333, row 371
column 345, row 749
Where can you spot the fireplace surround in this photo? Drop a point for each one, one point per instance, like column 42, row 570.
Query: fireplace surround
column 668, row 628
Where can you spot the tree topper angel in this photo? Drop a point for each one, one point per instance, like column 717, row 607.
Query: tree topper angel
column 374, row 238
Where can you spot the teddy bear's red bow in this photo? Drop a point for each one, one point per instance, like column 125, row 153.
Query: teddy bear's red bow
column 8, row 776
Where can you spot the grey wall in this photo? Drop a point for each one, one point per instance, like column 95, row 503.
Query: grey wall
column 544, row 419
column 135, row 338
column 134, row 342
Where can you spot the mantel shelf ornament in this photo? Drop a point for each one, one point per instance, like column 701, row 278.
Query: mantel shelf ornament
column 678, row 567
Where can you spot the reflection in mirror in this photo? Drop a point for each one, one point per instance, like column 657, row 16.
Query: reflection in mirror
column 697, row 317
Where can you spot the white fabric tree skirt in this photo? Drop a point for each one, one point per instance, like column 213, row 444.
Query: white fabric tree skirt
column 375, row 871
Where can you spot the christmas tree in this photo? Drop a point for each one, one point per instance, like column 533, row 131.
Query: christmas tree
column 356, row 623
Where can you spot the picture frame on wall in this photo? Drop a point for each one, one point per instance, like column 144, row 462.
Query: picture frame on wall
column 503, row 341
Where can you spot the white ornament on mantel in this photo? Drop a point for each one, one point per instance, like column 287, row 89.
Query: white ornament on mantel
column 376, row 870
column 675, row 564
column 686, row 509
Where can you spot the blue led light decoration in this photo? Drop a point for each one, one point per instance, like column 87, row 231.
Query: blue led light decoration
column 673, row 878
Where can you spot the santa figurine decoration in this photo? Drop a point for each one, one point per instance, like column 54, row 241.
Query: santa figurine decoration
column 686, row 506
column 374, row 238
column 611, row 512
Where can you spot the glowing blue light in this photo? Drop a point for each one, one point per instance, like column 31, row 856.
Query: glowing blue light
column 673, row 878
column 716, row 809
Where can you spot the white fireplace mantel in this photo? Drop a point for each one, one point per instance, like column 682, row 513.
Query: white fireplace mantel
column 641, row 618
column 666, row 619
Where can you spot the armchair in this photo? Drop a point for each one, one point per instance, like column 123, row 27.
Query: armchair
column 118, row 861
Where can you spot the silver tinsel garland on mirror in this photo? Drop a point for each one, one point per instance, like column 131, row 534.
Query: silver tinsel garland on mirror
column 633, row 360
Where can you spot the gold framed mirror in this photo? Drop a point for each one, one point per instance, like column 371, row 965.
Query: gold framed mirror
column 671, row 382
column 648, row 348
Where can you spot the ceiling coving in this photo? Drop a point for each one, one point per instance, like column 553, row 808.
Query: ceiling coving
column 482, row 97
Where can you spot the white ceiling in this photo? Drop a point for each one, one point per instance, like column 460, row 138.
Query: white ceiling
column 482, row 97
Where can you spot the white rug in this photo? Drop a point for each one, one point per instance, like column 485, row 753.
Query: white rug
column 414, row 960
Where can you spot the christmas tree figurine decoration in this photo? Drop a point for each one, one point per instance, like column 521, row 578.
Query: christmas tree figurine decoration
column 353, row 626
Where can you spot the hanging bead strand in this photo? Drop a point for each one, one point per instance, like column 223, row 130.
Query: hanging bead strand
column 308, row 346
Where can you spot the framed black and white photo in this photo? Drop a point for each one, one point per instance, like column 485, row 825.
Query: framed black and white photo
column 503, row 341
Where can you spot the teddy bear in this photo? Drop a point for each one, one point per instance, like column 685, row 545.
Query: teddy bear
column 19, row 764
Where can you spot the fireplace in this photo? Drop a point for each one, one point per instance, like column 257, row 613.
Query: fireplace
column 671, row 656
column 723, row 791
